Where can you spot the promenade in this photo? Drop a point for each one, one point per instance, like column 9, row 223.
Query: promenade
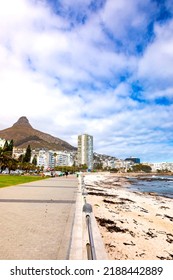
column 36, row 219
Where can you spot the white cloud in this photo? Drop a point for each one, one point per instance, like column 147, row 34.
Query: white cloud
column 123, row 17
column 156, row 64
column 68, row 79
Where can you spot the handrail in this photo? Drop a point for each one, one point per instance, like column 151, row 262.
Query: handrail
column 91, row 253
column 87, row 209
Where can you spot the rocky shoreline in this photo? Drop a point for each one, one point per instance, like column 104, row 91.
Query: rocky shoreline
column 133, row 225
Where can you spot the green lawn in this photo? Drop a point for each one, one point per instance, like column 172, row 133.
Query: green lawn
column 9, row 180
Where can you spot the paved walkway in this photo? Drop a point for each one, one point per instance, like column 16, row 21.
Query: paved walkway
column 36, row 219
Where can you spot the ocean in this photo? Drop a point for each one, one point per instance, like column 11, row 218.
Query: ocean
column 161, row 185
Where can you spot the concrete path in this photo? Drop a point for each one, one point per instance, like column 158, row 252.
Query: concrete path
column 36, row 219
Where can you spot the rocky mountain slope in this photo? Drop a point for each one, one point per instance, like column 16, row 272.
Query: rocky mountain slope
column 24, row 134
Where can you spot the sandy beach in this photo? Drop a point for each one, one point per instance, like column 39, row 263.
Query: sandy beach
column 133, row 225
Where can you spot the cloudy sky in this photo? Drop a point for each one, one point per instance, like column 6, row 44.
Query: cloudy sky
column 101, row 67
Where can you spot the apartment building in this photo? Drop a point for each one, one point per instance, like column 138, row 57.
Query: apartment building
column 63, row 158
column 42, row 159
column 17, row 152
column 85, row 150
column 50, row 159
column 161, row 166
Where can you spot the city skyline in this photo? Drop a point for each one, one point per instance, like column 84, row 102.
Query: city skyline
column 102, row 67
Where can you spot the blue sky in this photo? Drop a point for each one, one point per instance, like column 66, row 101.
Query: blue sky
column 100, row 67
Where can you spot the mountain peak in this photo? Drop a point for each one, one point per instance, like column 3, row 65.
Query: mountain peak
column 22, row 121
column 23, row 134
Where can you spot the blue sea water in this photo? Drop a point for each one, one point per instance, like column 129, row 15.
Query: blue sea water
column 161, row 185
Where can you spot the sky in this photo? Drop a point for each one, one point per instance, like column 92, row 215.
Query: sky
column 101, row 67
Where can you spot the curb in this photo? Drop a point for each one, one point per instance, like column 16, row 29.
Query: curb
column 86, row 242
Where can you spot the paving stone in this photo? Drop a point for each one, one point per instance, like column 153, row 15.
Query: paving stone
column 36, row 219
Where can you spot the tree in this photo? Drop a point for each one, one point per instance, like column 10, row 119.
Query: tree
column 21, row 157
column 34, row 161
column 12, row 164
column 6, row 160
column 10, row 146
column 27, row 156
column 6, row 147
column 141, row 167
column 83, row 166
column 98, row 166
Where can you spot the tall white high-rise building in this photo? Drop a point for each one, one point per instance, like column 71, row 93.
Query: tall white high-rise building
column 85, row 150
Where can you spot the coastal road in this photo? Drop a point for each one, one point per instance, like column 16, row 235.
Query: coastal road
column 36, row 219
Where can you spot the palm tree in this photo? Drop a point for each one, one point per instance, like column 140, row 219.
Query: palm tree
column 5, row 158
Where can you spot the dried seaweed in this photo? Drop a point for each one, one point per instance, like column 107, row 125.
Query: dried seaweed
column 102, row 194
column 169, row 217
column 113, row 202
column 131, row 243
column 126, row 199
column 169, row 238
column 111, row 226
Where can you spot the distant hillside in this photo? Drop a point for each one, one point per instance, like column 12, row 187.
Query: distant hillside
column 24, row 134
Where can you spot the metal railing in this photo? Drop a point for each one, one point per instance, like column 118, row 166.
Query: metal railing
column 90, row 246
column 87, row 209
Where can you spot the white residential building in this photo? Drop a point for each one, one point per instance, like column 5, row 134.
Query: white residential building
column 42, row 159
column 85, row 150
column 119, row 163
column 46, row 159
column 63, row 158
column 17, row 152
column 107, row 163
column 161, row 166
column 50, row 159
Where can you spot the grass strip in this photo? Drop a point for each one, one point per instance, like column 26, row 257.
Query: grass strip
column 10, row 180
